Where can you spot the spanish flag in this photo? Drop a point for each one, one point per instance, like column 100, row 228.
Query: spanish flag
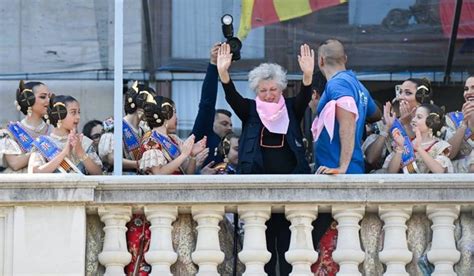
column 257, row 13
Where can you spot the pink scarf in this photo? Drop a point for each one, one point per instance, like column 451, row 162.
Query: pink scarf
column 274, row 116
column 327, row 117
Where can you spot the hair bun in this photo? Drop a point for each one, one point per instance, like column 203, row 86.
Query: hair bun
column 58, row 111
column 25, row 97
column 131, row 94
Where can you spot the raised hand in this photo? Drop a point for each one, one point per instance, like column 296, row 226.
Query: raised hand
column 214, row 51
column 306, row 62
column 224, row 58
column 388, row 116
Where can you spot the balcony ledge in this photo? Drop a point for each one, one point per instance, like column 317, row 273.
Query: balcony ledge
column 239, row 189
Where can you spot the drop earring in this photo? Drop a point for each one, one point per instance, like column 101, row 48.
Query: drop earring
column 18, row 107
column 29, row 111
column 59, row 124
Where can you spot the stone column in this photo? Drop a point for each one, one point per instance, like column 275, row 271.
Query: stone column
column 254, row 253
column 301, row 254
column 161, row 254
column 208, row 253
column 395, row 253
column 115, row 255
column 348, row 253
column 443, row 253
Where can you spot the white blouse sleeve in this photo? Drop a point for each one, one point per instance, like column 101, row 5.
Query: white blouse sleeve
column 152, row 158
column 106, row 144
column 36, row 160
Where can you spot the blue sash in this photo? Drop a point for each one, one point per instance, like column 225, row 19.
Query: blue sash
column 169, row 146
column 130, row 139
column 408, row 155
column 49, row 150
column 457, row 118
column 21, row 136
column 46, row 147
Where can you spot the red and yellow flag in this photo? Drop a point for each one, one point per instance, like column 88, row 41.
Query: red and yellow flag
column 257, row 13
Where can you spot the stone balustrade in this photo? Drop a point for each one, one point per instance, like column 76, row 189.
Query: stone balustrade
column 426, row 221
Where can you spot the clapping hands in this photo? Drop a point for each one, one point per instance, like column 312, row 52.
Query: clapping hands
column 388, row 116
column 199, row 146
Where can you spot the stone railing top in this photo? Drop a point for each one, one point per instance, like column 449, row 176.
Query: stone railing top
column 239, row 189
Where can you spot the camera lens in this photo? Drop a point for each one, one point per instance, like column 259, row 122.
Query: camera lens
column 227, row 19
column 235, row 46
column 228, row 32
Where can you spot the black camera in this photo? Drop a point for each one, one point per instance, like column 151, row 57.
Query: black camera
column 228, row 31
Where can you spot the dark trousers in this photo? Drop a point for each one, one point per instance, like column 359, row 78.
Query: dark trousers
column 278, row 241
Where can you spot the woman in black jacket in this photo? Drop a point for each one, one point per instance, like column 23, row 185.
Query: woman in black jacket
column 271, row 140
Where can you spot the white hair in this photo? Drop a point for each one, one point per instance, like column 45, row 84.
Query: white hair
column 267, row 71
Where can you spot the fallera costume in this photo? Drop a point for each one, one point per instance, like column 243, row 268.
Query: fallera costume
column 438, row 150
column 39, row 158
column 18, row 138
column 465, row 157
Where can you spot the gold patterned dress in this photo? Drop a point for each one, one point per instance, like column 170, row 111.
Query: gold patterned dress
column 9, row 145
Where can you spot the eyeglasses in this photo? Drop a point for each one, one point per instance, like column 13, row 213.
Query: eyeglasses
column 276, row 146
column 96, row 136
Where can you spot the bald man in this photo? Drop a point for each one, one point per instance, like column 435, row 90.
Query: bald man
column 346, row 105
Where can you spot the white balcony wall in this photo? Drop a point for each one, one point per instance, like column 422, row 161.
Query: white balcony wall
column 43, row 220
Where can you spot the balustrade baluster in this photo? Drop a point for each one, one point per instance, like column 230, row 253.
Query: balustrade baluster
column 208, row 253
column 254, row 253
column 115, row 255
column 161, row 254
column 443, row 253
column 395, row 253
column 348, row 253
column 301, row 254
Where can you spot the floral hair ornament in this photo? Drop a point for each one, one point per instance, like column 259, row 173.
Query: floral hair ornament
column 130, row 99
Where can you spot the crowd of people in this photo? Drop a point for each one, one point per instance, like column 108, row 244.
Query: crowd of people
column 352, row 134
